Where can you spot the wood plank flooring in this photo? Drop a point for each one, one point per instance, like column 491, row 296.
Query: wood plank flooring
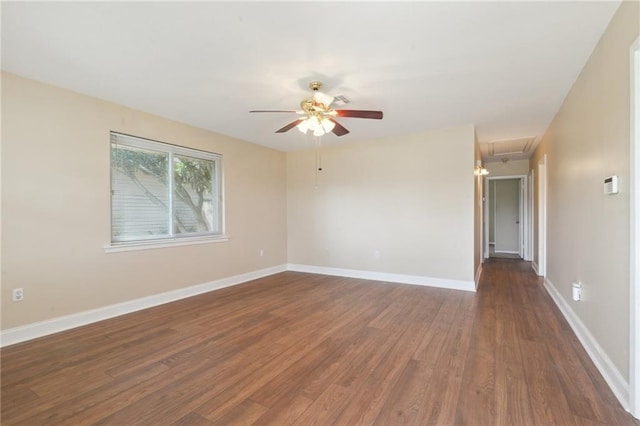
column 307, row 349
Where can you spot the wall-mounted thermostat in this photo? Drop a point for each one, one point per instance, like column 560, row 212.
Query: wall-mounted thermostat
column 611, row 185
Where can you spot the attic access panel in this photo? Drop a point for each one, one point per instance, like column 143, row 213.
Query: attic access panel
column 510, row 146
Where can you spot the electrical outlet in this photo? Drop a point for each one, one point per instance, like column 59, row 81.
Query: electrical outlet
column 18, row 295
column 576, row 291
column 261, row 252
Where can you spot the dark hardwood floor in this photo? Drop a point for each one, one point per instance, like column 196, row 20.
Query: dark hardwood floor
column 306, row 349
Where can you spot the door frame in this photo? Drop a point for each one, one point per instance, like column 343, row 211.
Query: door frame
column 541, row 267
column 530, row 205
column 524, row 215
column 634, row 228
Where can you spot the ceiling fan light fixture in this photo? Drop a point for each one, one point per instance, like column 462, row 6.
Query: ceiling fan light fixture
column 312, row 123
column 328, row 125
column 303, row 126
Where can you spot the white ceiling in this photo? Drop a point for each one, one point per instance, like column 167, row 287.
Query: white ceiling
column 503, row 66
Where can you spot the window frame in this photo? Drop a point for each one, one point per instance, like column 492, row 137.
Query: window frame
column 173, row 239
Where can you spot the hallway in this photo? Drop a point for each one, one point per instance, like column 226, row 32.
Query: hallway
column 529, row 365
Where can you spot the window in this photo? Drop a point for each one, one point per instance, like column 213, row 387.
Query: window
column 163, row 192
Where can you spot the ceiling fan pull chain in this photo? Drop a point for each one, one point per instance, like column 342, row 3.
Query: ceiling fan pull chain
column 319, row 153
column 318, row 144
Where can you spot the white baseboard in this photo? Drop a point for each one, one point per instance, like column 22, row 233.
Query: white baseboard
column 534, row 265
column 507, row 252
column 478, row 274
column 31, row 331
column 43, row 328
column 387, row 277
column 611, row 374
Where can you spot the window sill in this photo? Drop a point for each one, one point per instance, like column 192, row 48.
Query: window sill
column 147, row 245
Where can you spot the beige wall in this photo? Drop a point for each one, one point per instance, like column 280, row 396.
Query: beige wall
column 588, row 232
column 411, row 198
column 56, row 204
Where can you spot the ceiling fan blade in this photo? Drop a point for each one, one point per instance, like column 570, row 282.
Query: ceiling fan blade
column 274, row 110
column 338, row 129
column 290, row 126
column 357, row 113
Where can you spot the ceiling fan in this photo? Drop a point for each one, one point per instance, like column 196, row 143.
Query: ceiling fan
column 319, row 117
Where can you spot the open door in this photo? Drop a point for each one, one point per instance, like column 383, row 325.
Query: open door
column 507, row 216
column 507, row 220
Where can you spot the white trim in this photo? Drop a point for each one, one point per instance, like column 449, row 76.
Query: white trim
column 478, row 275
column 524, row 219
column 156, row 244
column 529, row 224
column 480, row 200
column 611, row 374
column 522, row 202
column 506, row 177
column 634, row 231
column 43, row 328
column 55, row 325
column 160, row 146
column 534, row 266
column 385, row 276
column 485, row 218
column 493, row 209
column 542, row 216
column 507, row 252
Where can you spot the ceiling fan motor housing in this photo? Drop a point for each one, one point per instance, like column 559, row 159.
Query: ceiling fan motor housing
column 315, row 85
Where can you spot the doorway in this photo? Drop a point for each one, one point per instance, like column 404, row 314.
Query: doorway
column 506, row 217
